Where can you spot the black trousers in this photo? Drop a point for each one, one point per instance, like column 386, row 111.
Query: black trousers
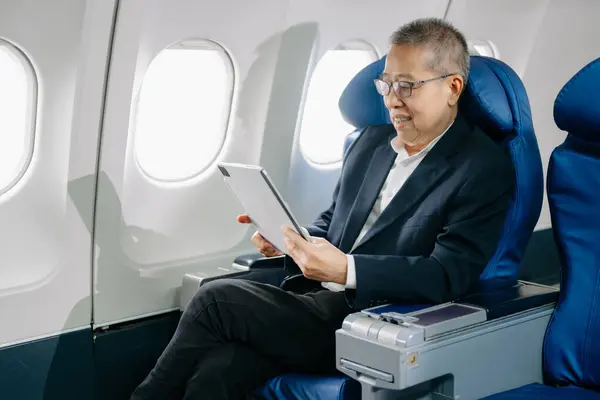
column 238, row 333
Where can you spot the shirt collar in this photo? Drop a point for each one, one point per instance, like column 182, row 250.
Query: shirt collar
column 400, row 149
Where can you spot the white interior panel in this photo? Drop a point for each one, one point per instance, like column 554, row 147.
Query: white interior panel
column 566, row 40
column 310, row 185
column 150, row 233
column 46, row 240
column 510, row 24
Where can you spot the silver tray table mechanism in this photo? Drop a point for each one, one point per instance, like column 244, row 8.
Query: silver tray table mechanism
column 482, row 344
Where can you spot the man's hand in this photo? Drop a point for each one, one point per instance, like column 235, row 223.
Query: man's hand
column 319, row 260
column 264, row 246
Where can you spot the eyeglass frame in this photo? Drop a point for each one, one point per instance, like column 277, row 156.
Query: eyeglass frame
column 411, row 85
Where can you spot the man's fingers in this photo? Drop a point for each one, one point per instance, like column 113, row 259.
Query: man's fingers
column 261, row 244
column 270, row 251
column 257, row 240
column 244, row 219
column 299, row 255
column 264, row 246
column 294, row 238
column 318, row 241
column 267, row 247
column 299, row 263
column 299, row 249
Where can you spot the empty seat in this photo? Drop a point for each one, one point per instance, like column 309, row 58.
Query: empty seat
column 571, row 354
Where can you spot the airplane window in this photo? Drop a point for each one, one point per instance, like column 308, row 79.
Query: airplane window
column 183, row 110
column 485, row 48
column 18, row 99
column 322, row 128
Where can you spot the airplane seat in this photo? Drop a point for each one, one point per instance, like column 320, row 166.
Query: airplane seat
column 361, row 105
column 571, row 353
column 494, row 99
column 349, row 140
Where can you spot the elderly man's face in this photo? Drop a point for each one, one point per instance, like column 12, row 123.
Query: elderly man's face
column 428, row 109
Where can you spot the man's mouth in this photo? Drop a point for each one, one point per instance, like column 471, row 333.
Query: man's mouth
column 399, row 119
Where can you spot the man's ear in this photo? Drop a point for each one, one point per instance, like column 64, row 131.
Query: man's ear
column 456, row 86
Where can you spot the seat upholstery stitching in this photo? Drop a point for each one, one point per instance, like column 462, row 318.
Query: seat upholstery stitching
column 574, row 79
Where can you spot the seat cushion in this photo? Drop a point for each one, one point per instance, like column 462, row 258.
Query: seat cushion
column 538, row 391
column 307, row 387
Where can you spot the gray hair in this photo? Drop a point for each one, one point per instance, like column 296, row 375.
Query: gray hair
column 448, row 45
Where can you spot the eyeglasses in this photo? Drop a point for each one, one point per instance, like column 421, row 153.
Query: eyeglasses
column 402, row 89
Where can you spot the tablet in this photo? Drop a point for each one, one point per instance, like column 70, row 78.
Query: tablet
column 260, row 199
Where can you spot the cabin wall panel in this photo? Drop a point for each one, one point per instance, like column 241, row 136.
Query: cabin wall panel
column 149, row 234
column 46, row 218
column 566, row 40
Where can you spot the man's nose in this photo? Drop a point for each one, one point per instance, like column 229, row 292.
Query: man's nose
column 392, row 101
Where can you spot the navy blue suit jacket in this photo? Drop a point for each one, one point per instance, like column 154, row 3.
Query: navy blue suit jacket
column 434, row 239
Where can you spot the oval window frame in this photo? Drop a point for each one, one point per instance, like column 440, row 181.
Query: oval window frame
column 191, row 44
column 352, row 44
column 29, row 135
column 473, row 48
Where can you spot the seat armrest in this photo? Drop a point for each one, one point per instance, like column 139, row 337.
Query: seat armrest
column 193, row 280
column 502, row 299
column 258, row 261
column 493, row 335
column 243, row 265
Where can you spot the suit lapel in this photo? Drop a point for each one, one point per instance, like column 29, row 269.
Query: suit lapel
column 373, row 180
column 422, row 181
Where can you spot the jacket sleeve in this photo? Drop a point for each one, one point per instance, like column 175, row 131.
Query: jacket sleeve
column 462, row 249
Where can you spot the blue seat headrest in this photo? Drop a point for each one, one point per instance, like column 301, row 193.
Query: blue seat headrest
column 484, row 101
column 577, row 106
column 360, row 104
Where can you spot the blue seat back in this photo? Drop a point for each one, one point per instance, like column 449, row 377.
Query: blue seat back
column 496, row 101
column 572, row 343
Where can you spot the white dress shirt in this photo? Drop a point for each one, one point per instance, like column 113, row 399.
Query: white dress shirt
column 403, row 167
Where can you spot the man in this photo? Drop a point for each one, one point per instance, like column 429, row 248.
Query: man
column 416, row 216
